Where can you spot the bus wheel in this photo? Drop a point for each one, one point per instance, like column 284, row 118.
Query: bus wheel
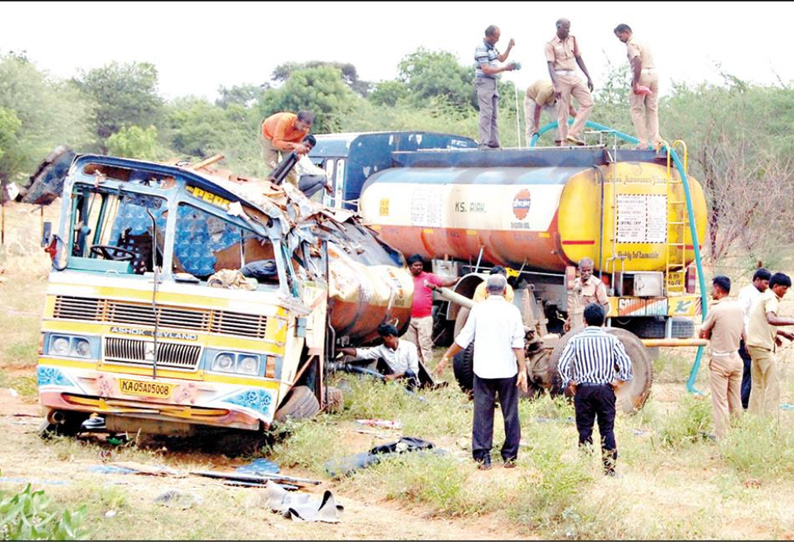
column 301, row 403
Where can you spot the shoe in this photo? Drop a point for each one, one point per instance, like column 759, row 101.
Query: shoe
column 613, row 474
column 575, row 140
column 484, row 463
column 510, row 463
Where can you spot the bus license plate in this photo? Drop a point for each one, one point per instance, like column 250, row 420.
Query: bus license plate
column 145, row 389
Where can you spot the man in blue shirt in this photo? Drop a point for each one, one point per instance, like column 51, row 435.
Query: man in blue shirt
column 486, row 74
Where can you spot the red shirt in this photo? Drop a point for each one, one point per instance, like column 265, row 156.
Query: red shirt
column 423, row 296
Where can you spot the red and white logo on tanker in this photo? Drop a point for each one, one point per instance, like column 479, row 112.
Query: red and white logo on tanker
column 521, row 204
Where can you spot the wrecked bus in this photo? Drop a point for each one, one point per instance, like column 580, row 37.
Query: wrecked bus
column 180, row 299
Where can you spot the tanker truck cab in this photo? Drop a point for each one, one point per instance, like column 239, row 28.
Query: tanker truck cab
column 148, row 321
column 539, row 212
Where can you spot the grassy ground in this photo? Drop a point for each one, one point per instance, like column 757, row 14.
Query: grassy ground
column 676, row 482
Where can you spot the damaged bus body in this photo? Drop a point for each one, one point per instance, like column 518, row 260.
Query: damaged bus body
column 181, row 298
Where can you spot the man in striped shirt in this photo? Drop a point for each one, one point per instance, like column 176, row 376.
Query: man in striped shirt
column 593, row 363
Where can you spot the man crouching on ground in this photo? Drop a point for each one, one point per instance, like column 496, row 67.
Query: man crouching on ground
column 399, row 355
column 588, row 364
column 500, row 342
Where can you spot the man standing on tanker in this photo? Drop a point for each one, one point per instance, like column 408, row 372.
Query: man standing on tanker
column 420, row 330
column 562, row 55
column 644, row 89
column 486, row 78
column 586, row 289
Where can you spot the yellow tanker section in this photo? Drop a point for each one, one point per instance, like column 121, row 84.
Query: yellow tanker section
column 644, row 216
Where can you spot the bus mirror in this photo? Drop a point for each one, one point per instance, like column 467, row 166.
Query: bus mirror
column 46, row 234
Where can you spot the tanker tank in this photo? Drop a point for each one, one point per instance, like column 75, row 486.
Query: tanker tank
column 539, row 209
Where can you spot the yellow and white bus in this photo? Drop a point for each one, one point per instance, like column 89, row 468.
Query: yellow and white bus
column 134, row 329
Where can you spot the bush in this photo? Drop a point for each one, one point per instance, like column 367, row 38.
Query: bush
column 29, row 515
column 755, row 447
column 687, row 425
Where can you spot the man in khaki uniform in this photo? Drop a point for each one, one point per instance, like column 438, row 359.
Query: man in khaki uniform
column 762, row 341
column 540, row 97
column 481, row 292
column 586, row 289
column 724, row 327
column 562, row 55
column 643, row 73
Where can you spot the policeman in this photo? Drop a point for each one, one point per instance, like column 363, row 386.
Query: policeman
column 586, row 289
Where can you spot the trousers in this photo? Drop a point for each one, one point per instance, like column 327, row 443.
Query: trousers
column 486, row 391
column 488, row 100
column 597, row 403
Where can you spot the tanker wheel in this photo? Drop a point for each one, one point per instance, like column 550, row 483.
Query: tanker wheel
column 463, row 367
column 301, row 403
column 632, row 395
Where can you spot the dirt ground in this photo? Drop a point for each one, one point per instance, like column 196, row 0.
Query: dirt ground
column 123, row 506
column 25, row 457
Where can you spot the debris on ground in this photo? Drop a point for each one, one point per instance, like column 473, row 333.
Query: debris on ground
column 261, row 478
column 391, row 424
column 377, row 434
column 178, row 499
column 258, row 467
column 303, row 506
column 129, row 467
column 110, row 469
column 345, row 466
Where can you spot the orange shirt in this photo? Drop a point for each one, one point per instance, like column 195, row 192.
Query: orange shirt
column 279, row 129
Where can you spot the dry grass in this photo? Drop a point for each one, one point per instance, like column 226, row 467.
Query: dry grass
column 675, row 482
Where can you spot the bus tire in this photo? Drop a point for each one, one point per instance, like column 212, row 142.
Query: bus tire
column 300, row 404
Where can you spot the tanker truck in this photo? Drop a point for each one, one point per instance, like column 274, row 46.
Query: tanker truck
column 184, row 299
column 538, row 212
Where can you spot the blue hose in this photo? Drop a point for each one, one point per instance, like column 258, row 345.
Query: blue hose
column 690, row 385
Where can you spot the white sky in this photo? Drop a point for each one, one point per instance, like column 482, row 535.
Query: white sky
column 200, row 46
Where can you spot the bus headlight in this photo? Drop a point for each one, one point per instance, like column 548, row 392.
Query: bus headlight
column 82, row 348
column 248, row 365
column 223, row 362
column 59, row 346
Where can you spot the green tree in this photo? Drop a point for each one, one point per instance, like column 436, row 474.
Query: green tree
column 136, row 142
column 349, row 74
column 428, row 74
column 320, row 90
column 120, row 96
column 242, row 95
column 9, row 126
column 36, row 114
column 198, row 129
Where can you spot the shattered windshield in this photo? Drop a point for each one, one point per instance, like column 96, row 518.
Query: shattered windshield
column 117, row 226
column 205, row 243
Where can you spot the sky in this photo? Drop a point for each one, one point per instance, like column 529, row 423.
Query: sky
column 201, row 46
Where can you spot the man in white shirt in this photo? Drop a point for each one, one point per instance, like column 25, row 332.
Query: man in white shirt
column 311, row 178
column 500, row 343
column 399, row 355
column 748, row 296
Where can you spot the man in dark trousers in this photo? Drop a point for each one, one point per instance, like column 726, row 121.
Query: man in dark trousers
column 594, row 363
column 499, row 330
column 747, row 299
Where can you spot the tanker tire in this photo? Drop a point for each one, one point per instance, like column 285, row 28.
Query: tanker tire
column 463, row 367
column 300, row 404
column 631, row 396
